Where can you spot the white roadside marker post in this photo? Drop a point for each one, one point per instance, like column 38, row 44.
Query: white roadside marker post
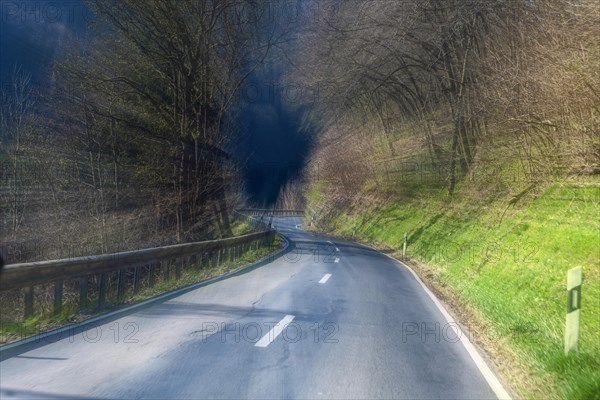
column 574, row 278
column 404, row 246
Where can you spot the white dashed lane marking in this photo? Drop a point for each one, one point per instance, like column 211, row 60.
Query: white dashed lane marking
column 275, row 331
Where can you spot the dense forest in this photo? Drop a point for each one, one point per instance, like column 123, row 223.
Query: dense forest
column 449, row 88
column 129, row 144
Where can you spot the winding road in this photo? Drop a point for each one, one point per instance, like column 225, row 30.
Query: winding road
column 329, row 319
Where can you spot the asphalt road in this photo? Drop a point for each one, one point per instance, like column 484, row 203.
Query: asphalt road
column 330, row 319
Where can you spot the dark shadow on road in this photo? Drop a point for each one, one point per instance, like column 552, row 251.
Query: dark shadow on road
column 27, row 394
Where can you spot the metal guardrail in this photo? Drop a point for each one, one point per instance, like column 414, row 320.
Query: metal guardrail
column 130, row 267
column 258, row 224
column 274, row 212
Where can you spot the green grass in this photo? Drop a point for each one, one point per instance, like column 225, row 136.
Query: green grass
column 241, row 227
column 509, row 263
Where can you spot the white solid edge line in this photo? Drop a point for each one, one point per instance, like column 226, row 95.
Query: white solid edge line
column 275, row 331
column 325, row 278
column 337, row 260
column 485, row 370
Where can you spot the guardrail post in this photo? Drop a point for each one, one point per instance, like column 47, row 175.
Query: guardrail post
column 199, row 261
column 151, row 273
column 167, row 265
column 214, row 258
column 178, row 268
column 58, row 291
column 83, row 291
column 28, row 301
column 136, row 278
column 102, row 289
column 121, row 284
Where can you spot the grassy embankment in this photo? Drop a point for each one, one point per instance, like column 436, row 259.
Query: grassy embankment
column 502, row 267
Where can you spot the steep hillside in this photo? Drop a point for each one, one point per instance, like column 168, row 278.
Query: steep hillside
column 504, row 258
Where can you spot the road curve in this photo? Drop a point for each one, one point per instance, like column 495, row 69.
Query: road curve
column 330, row 319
